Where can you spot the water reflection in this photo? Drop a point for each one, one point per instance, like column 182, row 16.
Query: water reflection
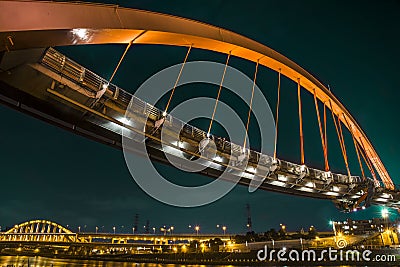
column 23, row 261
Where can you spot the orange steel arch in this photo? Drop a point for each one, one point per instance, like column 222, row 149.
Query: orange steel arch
column 29, row 24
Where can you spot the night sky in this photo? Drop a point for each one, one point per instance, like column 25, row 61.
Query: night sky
column 49, row 173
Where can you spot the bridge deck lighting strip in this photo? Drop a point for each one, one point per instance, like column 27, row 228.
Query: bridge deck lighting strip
column 160, row 141
column 156, row 139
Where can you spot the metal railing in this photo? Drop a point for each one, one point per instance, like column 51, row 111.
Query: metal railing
column 87, row 79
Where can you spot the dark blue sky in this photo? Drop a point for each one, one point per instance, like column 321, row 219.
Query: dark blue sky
column 52, row 174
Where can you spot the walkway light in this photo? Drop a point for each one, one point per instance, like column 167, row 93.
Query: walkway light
column 303, row 168
column 124, row 120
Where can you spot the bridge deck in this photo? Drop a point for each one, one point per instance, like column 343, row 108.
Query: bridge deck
column 48, row 85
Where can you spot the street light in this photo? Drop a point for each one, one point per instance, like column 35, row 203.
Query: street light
column 163, row 229
column 79, row 229
column 385, row 216
column 133, row 230
column 333, row 226
column 97, row 228
column 197, row 228
column 172, row 230
column 114, row 229
column 154, row 230
column 224, row 229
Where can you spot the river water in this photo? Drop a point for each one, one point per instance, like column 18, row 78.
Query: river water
column 23, row 261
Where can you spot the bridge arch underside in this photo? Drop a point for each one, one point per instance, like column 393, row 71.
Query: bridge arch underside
column 25, row 25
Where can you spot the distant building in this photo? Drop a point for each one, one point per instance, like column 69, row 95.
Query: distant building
column 360, row 227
